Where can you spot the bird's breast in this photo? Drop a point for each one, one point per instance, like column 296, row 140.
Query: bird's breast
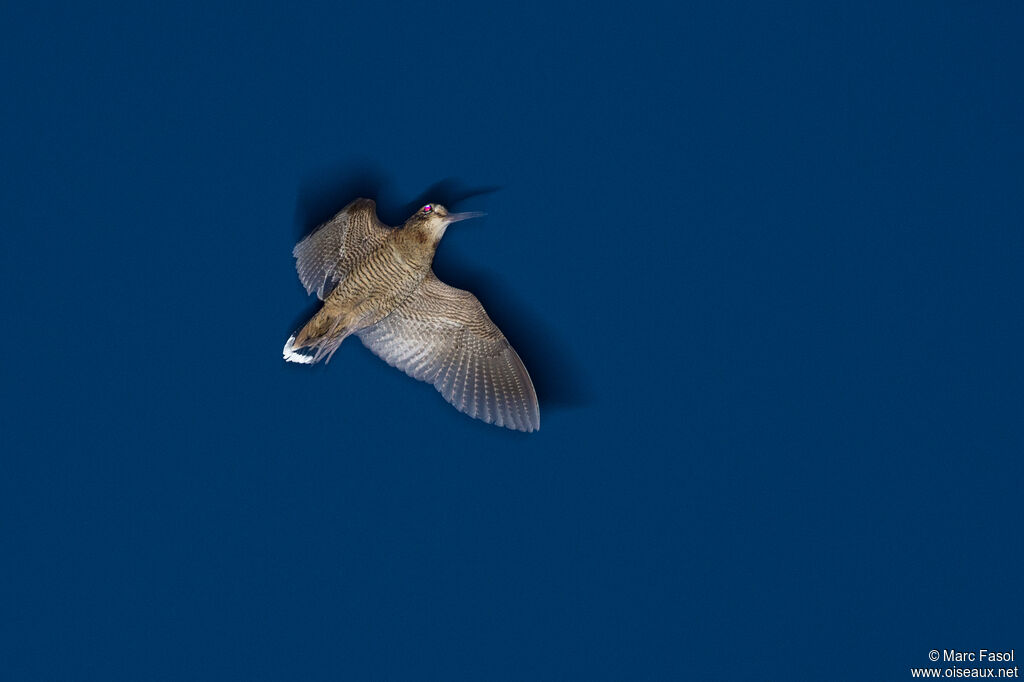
column 380, row 283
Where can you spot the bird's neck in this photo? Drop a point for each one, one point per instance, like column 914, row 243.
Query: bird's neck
column 418, row 244
column 428, row 234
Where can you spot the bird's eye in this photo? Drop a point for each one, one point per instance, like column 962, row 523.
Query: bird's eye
column 427, row 209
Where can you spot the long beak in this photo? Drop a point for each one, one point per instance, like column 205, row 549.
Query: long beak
column 456, row 217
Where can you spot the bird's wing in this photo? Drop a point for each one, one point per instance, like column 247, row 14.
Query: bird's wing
column 442, row 335
column 325, row 257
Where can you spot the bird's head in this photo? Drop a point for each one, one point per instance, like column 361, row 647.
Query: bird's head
column 434, row 219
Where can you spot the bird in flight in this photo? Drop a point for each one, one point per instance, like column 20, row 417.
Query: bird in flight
column 376, row 282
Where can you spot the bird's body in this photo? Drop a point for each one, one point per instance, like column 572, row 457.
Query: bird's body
column 377, row 282
column 374, row 286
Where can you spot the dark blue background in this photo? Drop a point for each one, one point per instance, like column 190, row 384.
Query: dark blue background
column 764, row 264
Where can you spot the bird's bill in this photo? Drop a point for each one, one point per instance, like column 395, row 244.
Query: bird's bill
column 456, row 217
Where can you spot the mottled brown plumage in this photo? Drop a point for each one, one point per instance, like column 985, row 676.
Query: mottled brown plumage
column 377, row 282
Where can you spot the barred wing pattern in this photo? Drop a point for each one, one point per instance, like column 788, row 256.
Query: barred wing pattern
column 442, row 335
column 325, row 257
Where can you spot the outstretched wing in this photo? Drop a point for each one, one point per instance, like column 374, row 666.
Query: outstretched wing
column 442, row 335
column 325, row 257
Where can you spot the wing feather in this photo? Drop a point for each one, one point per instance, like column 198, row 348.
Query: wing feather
column 443, row 336
column 325, row 257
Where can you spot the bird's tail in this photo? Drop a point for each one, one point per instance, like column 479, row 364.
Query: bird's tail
column 317, row 340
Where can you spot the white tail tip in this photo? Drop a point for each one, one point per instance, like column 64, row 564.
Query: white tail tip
column 293, row 355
